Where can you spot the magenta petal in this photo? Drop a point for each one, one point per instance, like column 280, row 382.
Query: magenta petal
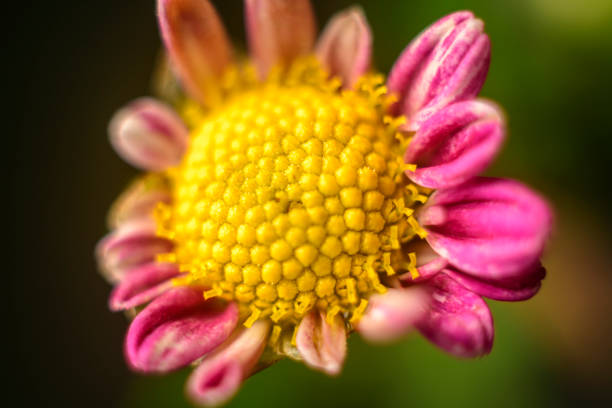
column 220, row 374
column 455, row 144
column 138, row 201
column 278, row 31
column 177, row 328
column 148, row 135
column 393, row 314
column 143, row 284
column 345, row 47
column 521, row 287
column 458, row 321
column 491, row 228
column 197, row 44
column 447, row 62
column 321, row 343
column 132, row 244
column 465, row 83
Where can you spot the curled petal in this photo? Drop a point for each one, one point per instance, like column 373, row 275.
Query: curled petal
column 458, row 320
column 139, row 201
column 446, row 63
column 393, row 314
column 197, row 44
column 521, row 287
column 428, row 262
column 455, row 144
column 134, row 243
column 220, row 374
column 278, row 31
column 321, row 343
column 148, row 134
column 490, row 228
column 345, row 47
column 177, row 328
column 142, row 285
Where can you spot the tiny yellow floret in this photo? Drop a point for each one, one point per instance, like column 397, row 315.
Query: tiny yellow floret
column 288, row 199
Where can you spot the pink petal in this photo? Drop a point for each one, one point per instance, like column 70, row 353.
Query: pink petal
column 458, row 321
column 149, row 135
column 455, row 144
column 393, row 314
column 220, row 374
column 138, row 201
column 133, row 244
column 521, row 287
column 197, row 44
column 322, row 344
column 142, row 285
column 446, row 63
column 491, row 228
column 345, row 47
column 278, row 31
column 428, row 262
column 177, row 328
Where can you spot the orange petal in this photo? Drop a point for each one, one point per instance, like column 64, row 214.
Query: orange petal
column 197, row 44
column 278, row 31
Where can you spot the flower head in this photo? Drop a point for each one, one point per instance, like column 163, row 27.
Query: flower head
column 294, row 197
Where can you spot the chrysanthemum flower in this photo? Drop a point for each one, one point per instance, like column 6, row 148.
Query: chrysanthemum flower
column 296, row 196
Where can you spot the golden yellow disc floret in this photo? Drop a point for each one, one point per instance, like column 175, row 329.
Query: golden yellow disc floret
column 287, row 199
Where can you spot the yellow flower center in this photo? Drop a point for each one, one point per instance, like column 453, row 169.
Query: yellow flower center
column 291, row 197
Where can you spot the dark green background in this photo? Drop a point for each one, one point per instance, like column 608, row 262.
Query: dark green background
column 72, row 63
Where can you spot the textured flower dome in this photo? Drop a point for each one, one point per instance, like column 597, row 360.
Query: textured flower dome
column 296, row 195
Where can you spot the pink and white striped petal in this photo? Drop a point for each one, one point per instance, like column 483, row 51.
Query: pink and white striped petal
column 491, row 228
column 521, row 287
column 149, row 135
column 455, row 144
column 322, row 343
column 219, row 375
column 177, row 328
column 345, row 47
column 132, row 244
column 139, row 201
column 142, row 285
column 393, row 314
column 448, row 62
column 458, row 320
column 278, row 31
column 197, row 44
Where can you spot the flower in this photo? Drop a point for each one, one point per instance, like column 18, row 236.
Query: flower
column 295, row 196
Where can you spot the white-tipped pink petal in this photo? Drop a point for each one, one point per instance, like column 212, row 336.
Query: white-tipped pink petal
column 148, row 134
column 322, row 343
column 455, row 144
column 491, row 228
column 393, row 314
column 521, row 287
column 278, row 31
column 447, row 62
column 345, row 47
column 142, row 285
column 177, row 328
column 197, row 44
column 134, row 243
column 138, row 201
column 219, row 375
column 458, row 320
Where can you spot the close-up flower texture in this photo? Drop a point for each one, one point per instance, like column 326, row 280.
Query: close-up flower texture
column 294, row 195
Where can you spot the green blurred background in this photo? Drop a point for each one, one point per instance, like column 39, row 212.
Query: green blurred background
column 72, row 63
